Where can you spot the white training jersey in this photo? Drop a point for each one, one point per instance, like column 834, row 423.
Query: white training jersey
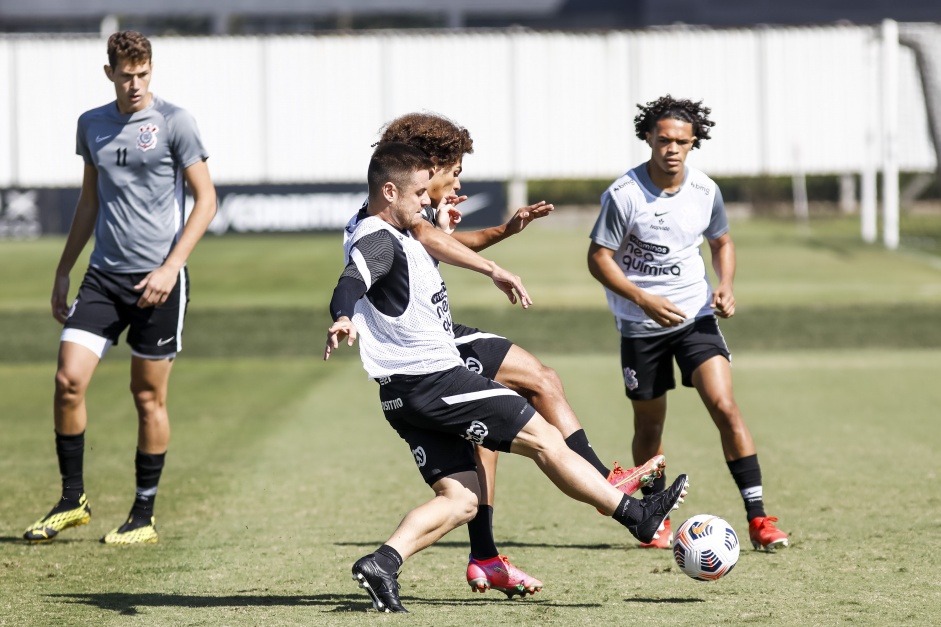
column 655, row 237
column 420, row 340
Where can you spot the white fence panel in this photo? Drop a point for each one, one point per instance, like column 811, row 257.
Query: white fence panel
column 7, row 120
column 55, row 81
column 220, row 81
column 293, row 109
column 324, row 106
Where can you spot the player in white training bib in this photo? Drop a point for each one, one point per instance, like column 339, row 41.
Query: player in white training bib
column 391, row 295
column 645, row 251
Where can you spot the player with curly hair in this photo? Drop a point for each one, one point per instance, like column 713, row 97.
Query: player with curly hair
column 645, row 251
column 492, row 355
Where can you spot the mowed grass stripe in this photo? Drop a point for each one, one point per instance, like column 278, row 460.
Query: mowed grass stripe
column 26, row 337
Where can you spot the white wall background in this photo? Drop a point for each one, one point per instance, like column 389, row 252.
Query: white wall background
column 539, row 105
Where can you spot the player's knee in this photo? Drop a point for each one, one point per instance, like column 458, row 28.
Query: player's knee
column 69, row 389
column 648, row 429
column 725, row 410
column 544, row 382
column 147, row 400
column 463, row 504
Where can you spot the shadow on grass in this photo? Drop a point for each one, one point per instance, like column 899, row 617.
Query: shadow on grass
column 20, row 540
column 457, row 544
column 128, row 604
column 670, row 600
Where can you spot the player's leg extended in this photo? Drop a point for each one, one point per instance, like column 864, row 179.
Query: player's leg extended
column 150, row 379
column 713, row 381
column 541, row 386
column 454, row 504
column 77, row 364
column 576, row 478
column 522, row 372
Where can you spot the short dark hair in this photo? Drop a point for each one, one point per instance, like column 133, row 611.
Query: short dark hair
column 129, row 45
column 445, row 141
column 395, row 162
column 667, row 107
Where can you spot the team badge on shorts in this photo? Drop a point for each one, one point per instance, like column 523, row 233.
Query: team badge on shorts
column 420, row 458
column 473, row 364
column 630, row 379
column 476, row 432
column 147, row 139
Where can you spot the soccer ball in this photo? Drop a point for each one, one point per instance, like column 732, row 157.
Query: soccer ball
column 705, row 547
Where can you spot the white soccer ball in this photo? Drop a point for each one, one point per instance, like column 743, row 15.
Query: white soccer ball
column 705, row 547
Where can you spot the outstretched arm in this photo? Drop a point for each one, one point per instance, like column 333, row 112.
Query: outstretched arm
column 723, row 262
column 483, row 238
column 602, row 266
column 449, row 250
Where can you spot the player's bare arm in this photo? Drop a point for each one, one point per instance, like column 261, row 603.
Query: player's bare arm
column 449, row 250
column 723, row 262
column 83, row 225
column 602, row 266
column 483, row 238
column 343, row 327
column 158, row 284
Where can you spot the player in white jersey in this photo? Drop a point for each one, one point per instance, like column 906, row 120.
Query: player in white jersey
column 138, row 151
column 645, row 251
column 392, row 297
column 492, row 355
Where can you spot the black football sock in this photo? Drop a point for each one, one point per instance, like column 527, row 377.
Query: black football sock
column 578, row 442
column 659, row 485
column 148, row 468
column 629, row 511
column 388, row 559
column 70, row 450
column 480, row 530
column 747, row 475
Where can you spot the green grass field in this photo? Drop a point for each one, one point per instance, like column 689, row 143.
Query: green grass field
column 282, row 471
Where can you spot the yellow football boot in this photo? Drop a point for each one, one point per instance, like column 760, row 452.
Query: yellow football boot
column 64, row 515
column 139, row 531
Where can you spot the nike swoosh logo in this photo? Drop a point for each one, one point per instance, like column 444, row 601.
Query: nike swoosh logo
column 166, row 341
column 99, row 138
column 657, row 215
column 111, row 263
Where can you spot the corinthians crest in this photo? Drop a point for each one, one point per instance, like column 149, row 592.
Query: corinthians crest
column 147, row 139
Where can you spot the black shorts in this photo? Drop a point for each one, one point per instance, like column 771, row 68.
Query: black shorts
column 107, row 304
column 647, row 362
column 443, row 415
column 482, row 352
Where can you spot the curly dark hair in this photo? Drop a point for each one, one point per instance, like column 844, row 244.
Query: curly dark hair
column 129, row 45
column 440, row 138
column 667, row 107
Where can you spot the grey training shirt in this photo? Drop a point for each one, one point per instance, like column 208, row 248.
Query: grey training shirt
column 140, row 158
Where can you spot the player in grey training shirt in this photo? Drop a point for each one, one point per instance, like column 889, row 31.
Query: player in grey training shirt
column 138, row 152
column 645, row 251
